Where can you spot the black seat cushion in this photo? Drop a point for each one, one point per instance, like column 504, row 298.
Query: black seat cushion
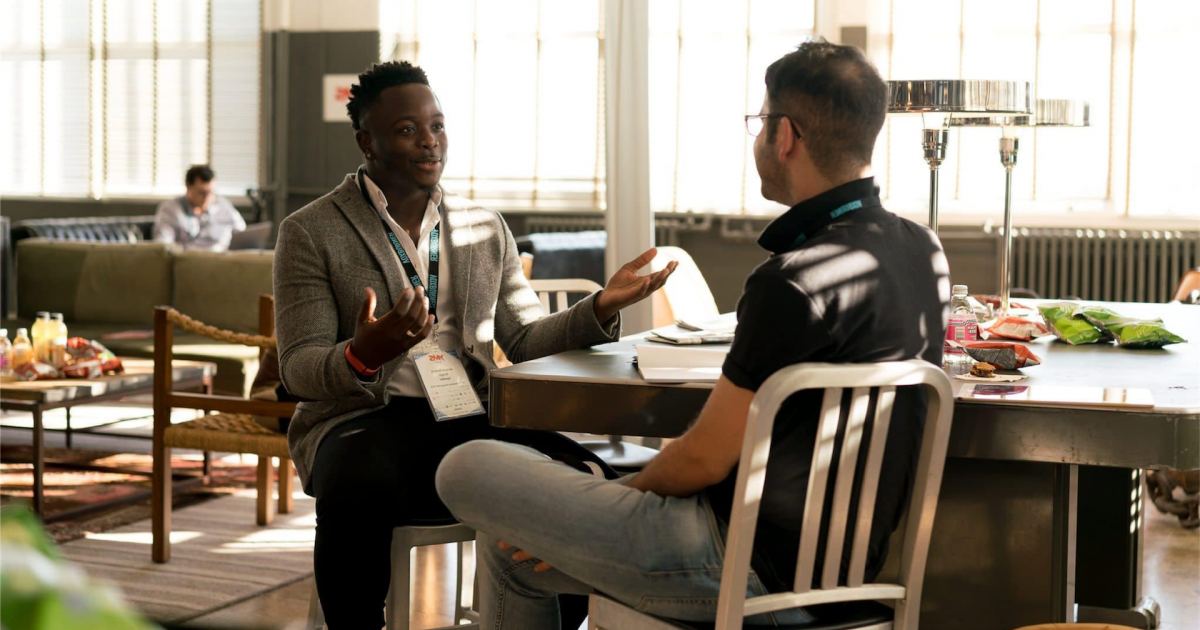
column 839, row 616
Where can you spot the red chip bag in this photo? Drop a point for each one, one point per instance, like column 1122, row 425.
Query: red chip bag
column 1005, row 356
column 1018, row 328
column 36, row 371
column 90, row 359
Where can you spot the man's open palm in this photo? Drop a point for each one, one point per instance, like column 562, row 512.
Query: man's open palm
column 626, row 287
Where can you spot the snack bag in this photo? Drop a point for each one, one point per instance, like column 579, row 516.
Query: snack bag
column 90, row 359
column 1018, row 328
column 1005, row 356
column 1098, row 316
column 1060, row 319
column 36, row 371
column 1142, row 333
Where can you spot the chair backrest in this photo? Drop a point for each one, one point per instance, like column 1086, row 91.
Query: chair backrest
column 880, row 379
column 561, row 289
column 686, row 295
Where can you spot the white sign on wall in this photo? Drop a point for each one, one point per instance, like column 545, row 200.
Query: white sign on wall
column 336, row 95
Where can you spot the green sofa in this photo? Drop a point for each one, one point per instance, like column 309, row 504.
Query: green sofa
column 103, row 288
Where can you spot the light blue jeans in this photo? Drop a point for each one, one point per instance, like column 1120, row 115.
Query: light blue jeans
column 659, row 555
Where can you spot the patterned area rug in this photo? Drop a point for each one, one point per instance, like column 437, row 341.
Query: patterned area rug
column 69, row 489
column 219, row 557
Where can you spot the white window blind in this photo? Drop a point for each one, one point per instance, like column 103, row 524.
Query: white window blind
column 521, row 85
column 708, row 63
column 1123, row 56
column 119, row 97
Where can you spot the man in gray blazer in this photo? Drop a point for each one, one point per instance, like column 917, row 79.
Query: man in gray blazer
column 364, row 276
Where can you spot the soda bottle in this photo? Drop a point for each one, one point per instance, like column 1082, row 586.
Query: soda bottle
column 22, row 349
column 963, row 328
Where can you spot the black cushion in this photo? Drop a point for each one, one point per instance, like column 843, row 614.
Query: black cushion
column 840, row 616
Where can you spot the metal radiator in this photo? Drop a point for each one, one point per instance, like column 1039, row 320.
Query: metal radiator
column 1116, row 265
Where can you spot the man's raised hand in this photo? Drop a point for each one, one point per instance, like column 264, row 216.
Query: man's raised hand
column 379, row 340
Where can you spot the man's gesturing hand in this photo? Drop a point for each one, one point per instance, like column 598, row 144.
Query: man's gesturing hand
column 377, row 341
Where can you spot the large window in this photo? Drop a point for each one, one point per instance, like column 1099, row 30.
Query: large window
column 521, row 84
column 1123, row 56
column 119, row 97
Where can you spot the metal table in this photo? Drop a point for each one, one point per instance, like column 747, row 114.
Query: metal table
column 1035, row 509
column 38, row 397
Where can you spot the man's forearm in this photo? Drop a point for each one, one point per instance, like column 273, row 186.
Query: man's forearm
column 675, row 472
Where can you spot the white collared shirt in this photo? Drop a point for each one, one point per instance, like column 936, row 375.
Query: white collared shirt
column 405, row 381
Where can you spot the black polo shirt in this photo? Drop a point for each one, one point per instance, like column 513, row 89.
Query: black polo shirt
column 847, row 282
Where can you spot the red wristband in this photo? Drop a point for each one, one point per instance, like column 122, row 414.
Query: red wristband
column 358, row 365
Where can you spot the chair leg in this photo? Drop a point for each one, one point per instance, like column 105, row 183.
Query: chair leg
column 398, row 594
column 286, row 502
column 266, row 507
column 160, row 503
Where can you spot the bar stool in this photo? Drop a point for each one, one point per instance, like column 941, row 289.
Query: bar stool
column 404, row 540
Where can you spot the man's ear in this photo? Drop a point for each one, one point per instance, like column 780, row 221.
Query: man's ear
column 363, row 139
column 785, row 138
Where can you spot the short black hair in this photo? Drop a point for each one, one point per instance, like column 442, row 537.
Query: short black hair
column 377, row 78
column 838, row 98
column 201, row 172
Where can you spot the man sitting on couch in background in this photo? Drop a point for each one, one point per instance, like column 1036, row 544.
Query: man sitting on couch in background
column 200, row 219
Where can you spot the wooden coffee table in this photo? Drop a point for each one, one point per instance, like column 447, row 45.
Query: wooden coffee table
column 38, row 397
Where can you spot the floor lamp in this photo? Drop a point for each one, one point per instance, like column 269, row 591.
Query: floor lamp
column 1047, row 113
column 940, row 101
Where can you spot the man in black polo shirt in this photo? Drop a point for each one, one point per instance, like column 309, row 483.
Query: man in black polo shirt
column 846, row 282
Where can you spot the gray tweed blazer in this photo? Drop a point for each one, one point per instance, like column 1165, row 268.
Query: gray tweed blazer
column 332, row 248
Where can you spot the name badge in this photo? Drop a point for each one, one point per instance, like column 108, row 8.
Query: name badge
column 445, row 382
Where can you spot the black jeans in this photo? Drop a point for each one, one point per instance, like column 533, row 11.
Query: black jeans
column 375, row 473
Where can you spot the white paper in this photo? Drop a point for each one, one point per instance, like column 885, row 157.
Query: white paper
column 446, row 385
column 680, row 364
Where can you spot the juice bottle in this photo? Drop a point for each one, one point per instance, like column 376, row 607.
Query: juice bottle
column 57, row 340
column 22, row 349
column 41, row 332
column 6, row 353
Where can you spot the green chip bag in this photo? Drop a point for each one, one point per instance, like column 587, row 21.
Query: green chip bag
column 1060, row 319
column 1142, row 333
column 1098, row 316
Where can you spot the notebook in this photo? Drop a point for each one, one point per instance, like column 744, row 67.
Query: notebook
column 680, row 364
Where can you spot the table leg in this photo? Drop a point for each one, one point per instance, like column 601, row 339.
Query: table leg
column 39, row 463
column 208, row 467
column 68, row 410
column 1110, row 549
column 1063, row 565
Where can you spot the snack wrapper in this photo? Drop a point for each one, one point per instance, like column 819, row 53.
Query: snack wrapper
column 1018, row 328
column 36, row 371
column 1142, row 333
column 1005, row 356
column 1060, row 319
column 1099, row 316
column 90, row 359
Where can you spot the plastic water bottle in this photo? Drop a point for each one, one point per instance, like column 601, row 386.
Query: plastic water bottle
column 6, row 354
column 963, row 328
column 57, row 341
column 22, row 349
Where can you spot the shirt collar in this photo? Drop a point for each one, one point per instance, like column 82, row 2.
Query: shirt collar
column 379, row 200
column 813, row 214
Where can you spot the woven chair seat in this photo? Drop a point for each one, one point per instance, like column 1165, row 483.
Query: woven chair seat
column 227, row 432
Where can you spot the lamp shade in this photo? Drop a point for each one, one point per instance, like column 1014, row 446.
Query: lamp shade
column 966, row 96
column 1048, row 112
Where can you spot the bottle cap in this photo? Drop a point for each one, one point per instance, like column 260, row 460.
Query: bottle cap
column 959, row 289
column 56, row 315
column 22, row 331
column 3, row 332
column 42, row 314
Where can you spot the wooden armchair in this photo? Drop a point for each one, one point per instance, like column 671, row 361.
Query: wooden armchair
column 232, row 429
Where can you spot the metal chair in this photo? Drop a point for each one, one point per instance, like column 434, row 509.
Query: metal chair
column 404, row 540
column 868, row 381
column 623, row 457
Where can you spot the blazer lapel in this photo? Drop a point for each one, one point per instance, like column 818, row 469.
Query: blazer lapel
column 460, row 236
column 366, row 222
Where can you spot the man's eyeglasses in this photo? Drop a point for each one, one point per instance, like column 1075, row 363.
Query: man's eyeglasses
column 755, row 123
